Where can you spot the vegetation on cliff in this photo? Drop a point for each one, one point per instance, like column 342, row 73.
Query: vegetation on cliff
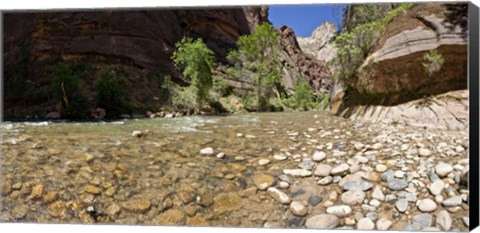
column 362, row 26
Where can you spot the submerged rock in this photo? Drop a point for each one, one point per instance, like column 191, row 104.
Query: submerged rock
column 298, row 209
column 297, row 172
column 279, row 196
column 263, row 181
column 137, row 205
column 226, row 202
column 206, row 151
column 339, row 210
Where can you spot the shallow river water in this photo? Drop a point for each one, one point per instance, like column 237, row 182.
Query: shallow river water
column 215, row 171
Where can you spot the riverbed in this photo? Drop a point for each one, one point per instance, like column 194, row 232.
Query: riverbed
column 281, row 170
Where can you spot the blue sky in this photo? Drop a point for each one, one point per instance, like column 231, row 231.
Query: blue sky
column 303, row 19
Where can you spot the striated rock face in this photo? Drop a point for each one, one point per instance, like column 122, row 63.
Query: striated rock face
column 446, row 111
column 144, row 39
column 307, row 65
column 394, row 72
column 139, row 42
column 321, row 43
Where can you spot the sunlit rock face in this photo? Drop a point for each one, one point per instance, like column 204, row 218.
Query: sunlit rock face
column 394, row 73
column 321, row 43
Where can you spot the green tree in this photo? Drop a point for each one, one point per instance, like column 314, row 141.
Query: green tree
column 303, row 96
column 67, row 90
column 110, row 96
column 258, row 57
column 197, row 61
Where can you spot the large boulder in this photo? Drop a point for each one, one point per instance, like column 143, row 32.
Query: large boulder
column 394, row 71
column 446, row 111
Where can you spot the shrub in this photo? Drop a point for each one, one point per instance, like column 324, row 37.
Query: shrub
column 67, row 90
column 394, row 12
column 303, row 96
column 168, row 87
column 354, row 45
column 220, row 86
column 433, row 61
column 197, row 60
column 111, row 96
column 184, row 100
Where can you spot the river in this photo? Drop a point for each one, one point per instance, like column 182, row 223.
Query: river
column 245, row 170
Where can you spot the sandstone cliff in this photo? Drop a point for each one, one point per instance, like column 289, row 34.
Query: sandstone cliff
column 321, row 43
column 306, row 64
column 144, row 39
column 393, row 73
column 140, row 42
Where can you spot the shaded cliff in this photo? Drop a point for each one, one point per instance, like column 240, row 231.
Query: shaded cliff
column 140, row 42
column 304, row 63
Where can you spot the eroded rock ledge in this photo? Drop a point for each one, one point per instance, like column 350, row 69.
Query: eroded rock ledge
column 446, row 111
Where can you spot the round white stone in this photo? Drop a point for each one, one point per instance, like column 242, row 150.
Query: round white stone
column 279, row 195
column 280, row 157
column 378, row 194
column 383, row 224
column 319, row 156
column 437, row 187
column 401, row 205
column 443, row 169
column 439, row 199
column 427, row 205
column 340, row 169
column 380, row 168
column 263, row 162
column 365, row 224
column 424, row 152
column 339, row 210
column 322, row 221
column 322, row 170
column 444, row 220
column 353, row 197
column 283, row 184
column 298, row 209
column 207, row 151
column 297, row 172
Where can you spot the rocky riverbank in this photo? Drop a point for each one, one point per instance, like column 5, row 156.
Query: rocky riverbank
column 254, row 170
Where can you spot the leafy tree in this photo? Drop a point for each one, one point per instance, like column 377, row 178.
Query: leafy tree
column 352, row 48
column 67, row 90
column 197, row 60
column 303, row 96
column 258, row 58
column 111, row 96
column 359, row 14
